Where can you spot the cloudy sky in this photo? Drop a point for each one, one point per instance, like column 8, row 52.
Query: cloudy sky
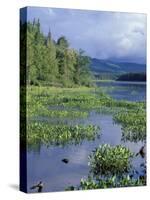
column 103, row 35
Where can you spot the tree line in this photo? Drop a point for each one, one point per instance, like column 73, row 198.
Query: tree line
column 50, row 62
column 132, row 77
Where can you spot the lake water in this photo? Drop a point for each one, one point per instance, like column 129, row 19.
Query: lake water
column 131, row 91
column 44, row 163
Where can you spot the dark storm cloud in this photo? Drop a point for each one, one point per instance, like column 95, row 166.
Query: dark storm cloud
column 104, row 35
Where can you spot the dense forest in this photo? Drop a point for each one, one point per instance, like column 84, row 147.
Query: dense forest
column 105, row 76
column 50, row 62
column 132, row 77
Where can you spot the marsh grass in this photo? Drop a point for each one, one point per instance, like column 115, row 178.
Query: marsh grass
column 109, row 165
column 133, row 124
column 81, row 98
column 111, row 182
column 77, row 103
column 60, row 135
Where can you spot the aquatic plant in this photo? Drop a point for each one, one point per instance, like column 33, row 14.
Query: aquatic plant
column 133, row 124
column 82, row 98
column 109, row 182
column 60, row 134
column 110, row 160
column 51, row 102
column 62, row 113
column 110, row 165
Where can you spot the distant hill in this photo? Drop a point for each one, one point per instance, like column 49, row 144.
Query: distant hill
column 111, row 69
column 132, row 77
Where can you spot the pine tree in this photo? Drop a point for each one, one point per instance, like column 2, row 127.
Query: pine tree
column 49, row 62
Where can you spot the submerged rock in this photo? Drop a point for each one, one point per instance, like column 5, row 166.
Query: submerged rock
column 65, row 160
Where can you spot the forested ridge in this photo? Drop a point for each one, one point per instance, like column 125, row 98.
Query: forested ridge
column 50, row 62
column 132, row 77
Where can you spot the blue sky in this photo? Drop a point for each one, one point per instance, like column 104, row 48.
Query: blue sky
column 103, row 35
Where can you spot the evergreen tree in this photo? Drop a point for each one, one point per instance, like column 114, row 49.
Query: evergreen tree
column 49, row 62
column 82, row 71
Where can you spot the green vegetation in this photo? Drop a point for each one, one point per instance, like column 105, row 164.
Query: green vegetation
column 59, row 134
column 132, row 77
column 133, row 124
column 111, row 182
column 59, row 85
column 109, row 160
column 104, row 76
column 42, row 111
column 51, row 103
column 82, row 98
column 71, row 103
column 110, row 168
column 64, row 114
column 50, row 62
column 109, row 165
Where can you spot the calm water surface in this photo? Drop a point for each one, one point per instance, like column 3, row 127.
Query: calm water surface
column 44, row 163
column 131, row 91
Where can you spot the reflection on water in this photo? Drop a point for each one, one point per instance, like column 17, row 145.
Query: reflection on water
column 45, row 163
column 131, row 91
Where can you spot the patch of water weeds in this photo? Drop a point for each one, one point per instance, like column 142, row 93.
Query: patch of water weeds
column 133, row 124
column 60, row 135
column 109, row 168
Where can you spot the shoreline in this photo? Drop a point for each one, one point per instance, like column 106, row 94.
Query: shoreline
column 124, row 82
